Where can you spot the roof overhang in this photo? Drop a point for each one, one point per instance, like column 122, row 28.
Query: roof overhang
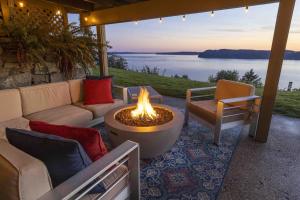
column 162, row 8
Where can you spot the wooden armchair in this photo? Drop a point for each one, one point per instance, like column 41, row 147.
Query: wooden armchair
column 234, row 103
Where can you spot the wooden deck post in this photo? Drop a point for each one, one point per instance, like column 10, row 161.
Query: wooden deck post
column 102, row 49
column 283, row 22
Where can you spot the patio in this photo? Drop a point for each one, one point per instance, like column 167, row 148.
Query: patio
column 263, row 172
column 44, row 126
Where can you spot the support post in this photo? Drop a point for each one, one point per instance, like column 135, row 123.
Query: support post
column 283, row 22
column 102, row 50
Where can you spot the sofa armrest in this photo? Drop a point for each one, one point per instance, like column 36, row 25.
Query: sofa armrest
column 80, row 184
column 122, row 92
column 240, row 99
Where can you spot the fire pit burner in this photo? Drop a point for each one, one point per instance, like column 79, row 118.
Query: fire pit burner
column 162, row 116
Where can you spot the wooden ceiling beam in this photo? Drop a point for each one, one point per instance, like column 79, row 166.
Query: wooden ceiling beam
column 163, row 8
column 77, row 5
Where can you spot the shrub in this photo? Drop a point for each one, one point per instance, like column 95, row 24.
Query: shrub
column 148, row 70
column 251, row 77
column 118, row 62
column 232, row 75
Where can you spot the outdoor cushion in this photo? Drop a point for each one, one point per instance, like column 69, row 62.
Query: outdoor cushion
column 19, row 122
column 89, row 138
column 204, row 109
column 43, row 97
column 21, row 175
column 76, row 90
column 97, row 91
column 63, row 115
column 231, row 89
column 63, row 157
column 10, row 105
column 99, row 110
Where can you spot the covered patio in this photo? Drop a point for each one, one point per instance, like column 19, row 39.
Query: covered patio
column 256, row 157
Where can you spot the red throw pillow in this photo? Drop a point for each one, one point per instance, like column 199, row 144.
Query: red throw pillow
column 97, row 91
column 89, row 138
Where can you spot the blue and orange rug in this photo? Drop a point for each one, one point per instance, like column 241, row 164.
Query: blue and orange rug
column 193, row 169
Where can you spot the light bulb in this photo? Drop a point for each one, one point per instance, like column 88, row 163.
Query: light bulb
column 58, row 12
column 136, row 22
column 86, row 19
column 212, row 13
column 246, row 9
column 183, row 18
column 21, row 4
column 160, row 20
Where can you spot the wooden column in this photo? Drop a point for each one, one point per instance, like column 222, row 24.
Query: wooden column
column 102, row 50
column 283, row 22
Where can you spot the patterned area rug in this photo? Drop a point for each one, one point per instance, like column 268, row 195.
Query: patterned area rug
column 193, row 169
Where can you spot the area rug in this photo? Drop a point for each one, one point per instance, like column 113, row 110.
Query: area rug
column 193, row 169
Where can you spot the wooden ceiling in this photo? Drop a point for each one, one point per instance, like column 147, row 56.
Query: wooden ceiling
column 91, row 5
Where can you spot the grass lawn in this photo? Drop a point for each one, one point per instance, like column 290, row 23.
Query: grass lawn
column 287, row 103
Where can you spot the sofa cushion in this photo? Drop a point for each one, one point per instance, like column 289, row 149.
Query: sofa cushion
column 97, row 91
column 21, row 175
column 63, row 115
column 10, row 105
column 20, row 123
column 99, row 110
column 43, row 97
column 206, row 110
column 63, row 157
column 76, row 90
column 89, row 138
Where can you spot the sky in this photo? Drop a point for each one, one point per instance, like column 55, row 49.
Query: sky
column 231, row 29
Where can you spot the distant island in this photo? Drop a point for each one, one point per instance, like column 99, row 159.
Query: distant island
column 225, row 54
column 245, row 54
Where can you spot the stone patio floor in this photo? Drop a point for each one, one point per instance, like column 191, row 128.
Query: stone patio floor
column 266, row 171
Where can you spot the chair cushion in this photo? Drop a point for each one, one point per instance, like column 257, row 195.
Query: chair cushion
column 99, row 110
column 89, row 138
column 204, row 109
column 21, row 175
column 63, row 115
column 10, row 105
column 20, row 123
column 43, row 97
column 231, row 89
column 63, row 157
column 97, row 91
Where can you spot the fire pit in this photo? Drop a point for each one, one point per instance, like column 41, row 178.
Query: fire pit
column 155, row 127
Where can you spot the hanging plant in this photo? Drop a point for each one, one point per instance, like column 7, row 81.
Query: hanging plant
column 74, row 46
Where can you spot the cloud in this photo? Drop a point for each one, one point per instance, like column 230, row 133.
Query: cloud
column 229, row 30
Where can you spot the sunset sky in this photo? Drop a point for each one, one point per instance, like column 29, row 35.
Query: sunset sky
column 227, row 29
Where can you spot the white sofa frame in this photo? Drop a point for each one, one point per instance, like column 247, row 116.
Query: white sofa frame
column 80, row 184
column 227, row 116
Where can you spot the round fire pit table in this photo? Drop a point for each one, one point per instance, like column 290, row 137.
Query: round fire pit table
column 153, row 140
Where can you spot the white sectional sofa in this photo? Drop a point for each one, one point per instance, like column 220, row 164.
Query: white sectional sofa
column 26, row 178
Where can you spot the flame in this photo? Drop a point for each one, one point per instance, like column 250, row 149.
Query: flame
column 144, row 108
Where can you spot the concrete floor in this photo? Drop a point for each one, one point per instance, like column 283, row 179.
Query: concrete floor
column 263, row 171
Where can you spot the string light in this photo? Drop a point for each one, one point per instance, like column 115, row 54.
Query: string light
column 58, row 12
column 21, row 4
column 246, row 9
column 212, row 13
column 183, row 18
column 136, row 22
column 86, row 19
column 160, row 20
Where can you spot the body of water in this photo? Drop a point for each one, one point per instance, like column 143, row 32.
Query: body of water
column 200, row 69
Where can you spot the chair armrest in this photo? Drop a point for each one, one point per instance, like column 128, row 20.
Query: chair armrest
column 122, row 91
column 189, row 92
column 240, row 99
column 98, row 171
column 201, row 89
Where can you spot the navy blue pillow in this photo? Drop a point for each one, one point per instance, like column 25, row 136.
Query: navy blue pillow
column 63, row 157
